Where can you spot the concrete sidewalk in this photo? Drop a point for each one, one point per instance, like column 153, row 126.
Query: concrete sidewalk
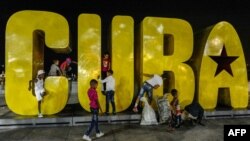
column 213, row 131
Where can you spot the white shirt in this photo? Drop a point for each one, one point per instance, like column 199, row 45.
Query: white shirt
column 155, row 80
column 110, row 83
column 39, row 89
column 39, row 85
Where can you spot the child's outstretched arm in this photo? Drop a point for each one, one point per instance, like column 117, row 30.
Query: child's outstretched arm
column 59, row 72
column 74, row 62
column 102, row 81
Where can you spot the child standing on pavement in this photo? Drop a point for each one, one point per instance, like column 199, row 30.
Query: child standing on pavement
column 110, row 91
column 94, row 108
column 37, row 86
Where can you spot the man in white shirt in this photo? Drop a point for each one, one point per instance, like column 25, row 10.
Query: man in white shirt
column 155, row 82
column 110, row 91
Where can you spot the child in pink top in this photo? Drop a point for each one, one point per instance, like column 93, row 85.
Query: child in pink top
column 94, row 108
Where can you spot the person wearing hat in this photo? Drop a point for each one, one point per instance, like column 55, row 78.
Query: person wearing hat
column 38, row 89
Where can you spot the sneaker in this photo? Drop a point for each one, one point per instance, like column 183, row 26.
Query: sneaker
column 40, row 115
column 86, row 138
column 100, row 134
column 106, row 113
column 114, row 113
column 135, row 109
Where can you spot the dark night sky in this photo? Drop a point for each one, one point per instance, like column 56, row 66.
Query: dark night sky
column 199, row 14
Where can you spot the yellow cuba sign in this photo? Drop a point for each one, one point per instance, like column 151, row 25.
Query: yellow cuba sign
column 200, row 67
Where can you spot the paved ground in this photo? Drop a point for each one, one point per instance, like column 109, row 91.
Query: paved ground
column 213, row 131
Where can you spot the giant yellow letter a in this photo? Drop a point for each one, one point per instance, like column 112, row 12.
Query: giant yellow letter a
column 223, row 68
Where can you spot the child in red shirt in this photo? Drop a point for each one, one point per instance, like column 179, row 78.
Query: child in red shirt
column 94, row 108
column 106, row 63
column 65, row 66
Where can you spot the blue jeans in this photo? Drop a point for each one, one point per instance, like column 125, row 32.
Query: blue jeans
column 148, row 89
column 94, row 122
column 110, row 98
